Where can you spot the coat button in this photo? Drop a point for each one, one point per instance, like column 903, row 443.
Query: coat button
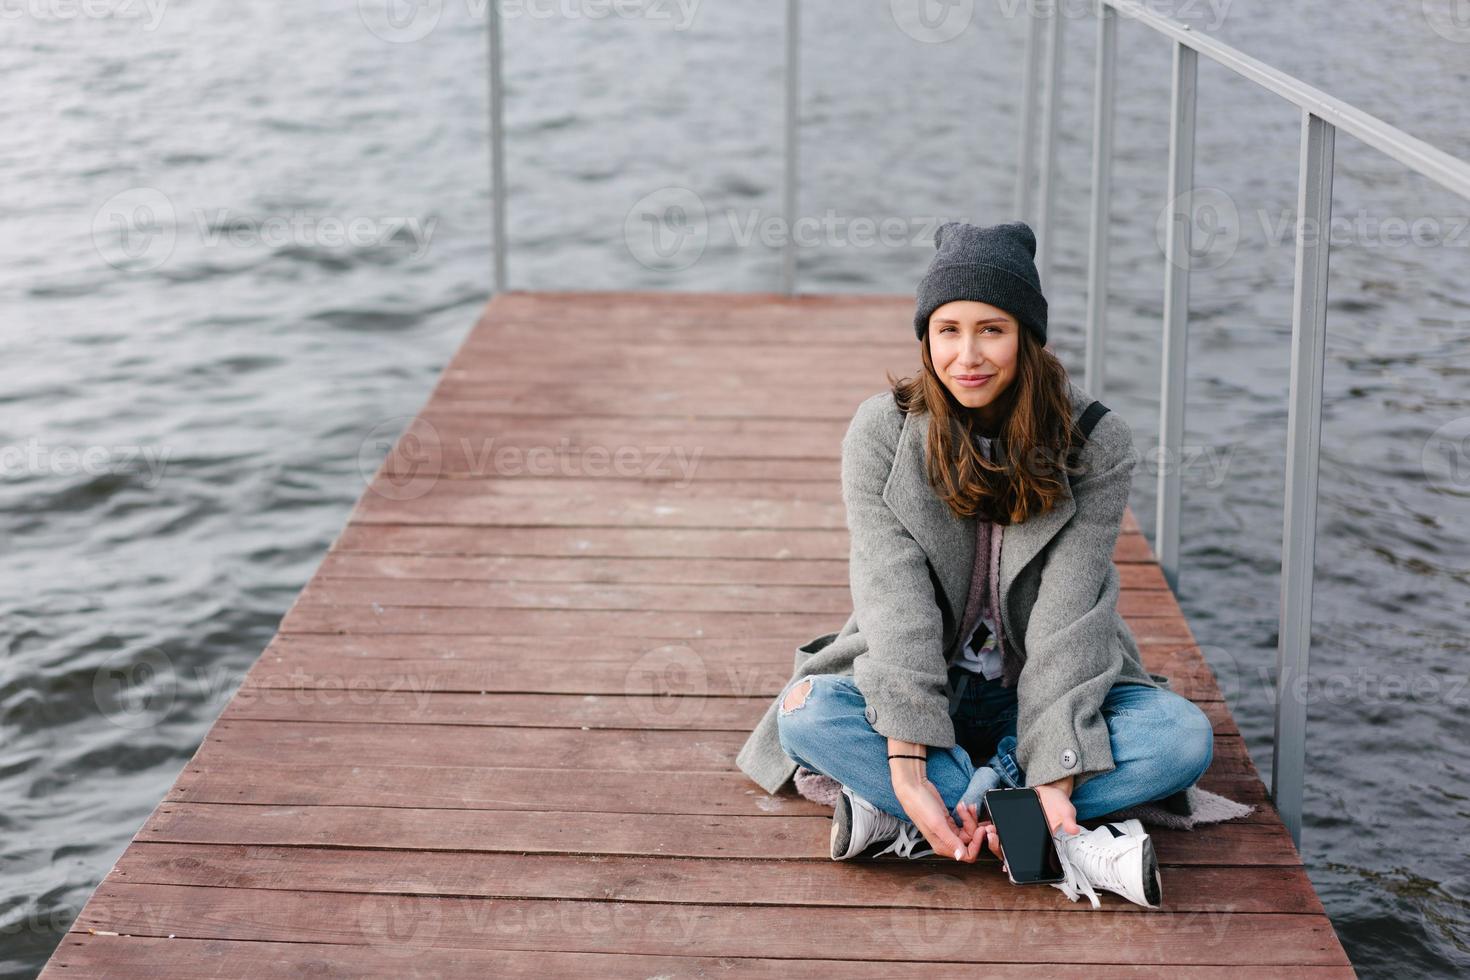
column 870, row 713
column 1069, row 758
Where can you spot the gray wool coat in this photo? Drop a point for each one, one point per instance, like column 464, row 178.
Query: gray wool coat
column 910, row 568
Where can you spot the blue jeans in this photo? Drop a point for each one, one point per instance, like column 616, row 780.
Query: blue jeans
column 1161, row 741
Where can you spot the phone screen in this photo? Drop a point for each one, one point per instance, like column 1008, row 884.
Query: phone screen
column 1020, row 823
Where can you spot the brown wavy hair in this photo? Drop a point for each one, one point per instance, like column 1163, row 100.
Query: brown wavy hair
column 1029, row 473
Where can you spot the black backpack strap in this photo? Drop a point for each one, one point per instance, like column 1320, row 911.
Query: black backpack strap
column 1086, row 424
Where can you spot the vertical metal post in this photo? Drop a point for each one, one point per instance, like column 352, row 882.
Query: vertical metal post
column 1176, row 307
column 1048, row 190
column 497, row 145
column 793, row 125
column 1303, row 447
column 1026, row 130
column 1102, row 166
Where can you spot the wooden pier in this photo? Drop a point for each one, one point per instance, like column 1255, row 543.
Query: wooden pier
column 496, row 733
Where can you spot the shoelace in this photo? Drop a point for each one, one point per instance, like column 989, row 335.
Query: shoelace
column 908, row 838
column 1076, row 884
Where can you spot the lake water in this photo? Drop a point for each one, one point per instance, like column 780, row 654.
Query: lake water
column 242, row 237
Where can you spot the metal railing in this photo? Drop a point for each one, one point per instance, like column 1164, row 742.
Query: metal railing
column 1322, row 117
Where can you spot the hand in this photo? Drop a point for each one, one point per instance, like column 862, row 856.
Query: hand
column 1056, row 802
column 974, row 829
column 925, row 807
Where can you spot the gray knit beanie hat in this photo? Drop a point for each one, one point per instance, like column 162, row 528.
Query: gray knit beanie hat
column 994, row 264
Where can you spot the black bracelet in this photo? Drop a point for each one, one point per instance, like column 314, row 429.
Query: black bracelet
column 924, row 757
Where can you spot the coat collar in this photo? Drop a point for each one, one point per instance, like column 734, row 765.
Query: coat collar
column 950, row 541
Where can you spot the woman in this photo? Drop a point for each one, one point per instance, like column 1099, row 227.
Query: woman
column 964, row 642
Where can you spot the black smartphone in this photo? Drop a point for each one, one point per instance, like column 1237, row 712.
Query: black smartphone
column 1020, row 823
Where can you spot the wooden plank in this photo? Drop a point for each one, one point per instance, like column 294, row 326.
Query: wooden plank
column 513, row 788
column 813, row 881
column 832, row 600
column 616, row 542
column 688, row 571
column 658, row 750
column 399, row 924
column 352, row 702
column 369, row 618
column 142, row 958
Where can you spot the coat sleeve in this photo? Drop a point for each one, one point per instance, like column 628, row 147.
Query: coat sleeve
column 1072, row 659
column 902, row 675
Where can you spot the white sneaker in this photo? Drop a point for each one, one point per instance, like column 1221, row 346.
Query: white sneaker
column 1118, row 857
column 858, row 824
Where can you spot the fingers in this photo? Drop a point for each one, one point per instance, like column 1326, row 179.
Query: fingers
column 949, row 843
column 969, row 821
column 982, row 833
column 971, row 832
column 944, row 838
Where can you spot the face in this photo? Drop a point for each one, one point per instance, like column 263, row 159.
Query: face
column 974, row 347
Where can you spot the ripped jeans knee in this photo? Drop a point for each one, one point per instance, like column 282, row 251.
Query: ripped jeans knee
column 796, row 695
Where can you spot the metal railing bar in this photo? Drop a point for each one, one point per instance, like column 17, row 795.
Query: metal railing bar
column 1303, row 450
column 497, row 145
column 793, row 126
column 1182, row 102
column 1102, row 165
column 1048, row 190
column 1026, row 136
